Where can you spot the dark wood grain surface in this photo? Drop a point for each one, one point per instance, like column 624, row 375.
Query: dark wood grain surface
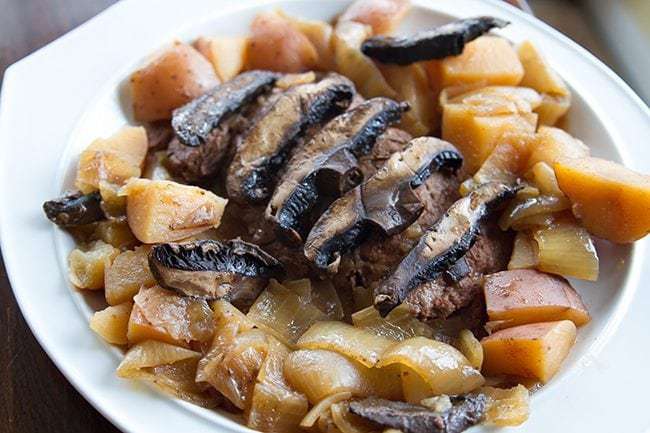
column 34, row 396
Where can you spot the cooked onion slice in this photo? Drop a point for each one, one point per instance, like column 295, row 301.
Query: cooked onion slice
column 317, row 411
column 398, row 325
column 541, row 205
column 283, row 313
column 347, row 422
column 524, row 253
column 358, row 344
column 440, row 365
column 506, row 407
column 567, row 249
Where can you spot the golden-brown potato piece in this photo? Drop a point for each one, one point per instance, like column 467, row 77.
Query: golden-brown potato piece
column 538, row 74
column 112, row 160
column 128, row 272
column 227, row 54
column 552, row 109
column 276, row 45
column 527, row 296
column 382, row 15
column 611, row 201
column 163, row 211
column 112, row 323
column 554, row 144
column 532, row 351
column 86, row 267
column 488, row 60
column 178, row 75
column 476, row 136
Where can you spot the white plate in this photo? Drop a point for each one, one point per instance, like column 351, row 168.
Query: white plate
column 57, row 100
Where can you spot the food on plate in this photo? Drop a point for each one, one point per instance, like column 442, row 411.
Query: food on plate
column 385, row 201
column 267, row 144
column 445, row 41
column 321, row 226
column 327, row 166
column 235, row 270
column 175, row 77
column 534, row 350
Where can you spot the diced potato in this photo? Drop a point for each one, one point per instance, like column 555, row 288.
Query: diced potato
column 611, row 201
column 470, row 347
column 112, row 323
column 227, row 54
column 113, row 204
column 527, row 296
column 164, row 211
column 538, row 74
column 552, row 108
column 351, row 62
column 412, row 86
column 178, row 75
column 492, row 100
column 532, row 351
column 86, row 267
column 276, row 45
column 506, row 407
column 476, row 136
column 565, row 248
column 382, row 15
column 319, row 34
column 524, row 253
column 114, row 160
column 128, row 272
column 116, row 232
column 488, row 60
column 439, row 365
column 150, row 318
column 555, row 144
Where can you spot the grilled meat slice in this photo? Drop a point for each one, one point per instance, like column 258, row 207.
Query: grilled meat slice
column 326, row 166
column 264, row 149
column 444, row 41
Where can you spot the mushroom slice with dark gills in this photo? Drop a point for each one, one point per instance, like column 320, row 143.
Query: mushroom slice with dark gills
column 464, row 412
column 235, row 270
column 385, row 202
column 444, row 41
column 205, row 127
column 264, row 149
column 443, row 245
column 327, row 166
column 75, row 209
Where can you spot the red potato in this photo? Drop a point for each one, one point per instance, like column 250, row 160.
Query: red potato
column 178, row 75
column 525, row 296
column 533, row 351
column 382, row 15
column 277, row 45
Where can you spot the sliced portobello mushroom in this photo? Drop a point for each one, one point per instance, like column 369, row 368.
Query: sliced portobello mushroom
column 205, row 126
column 444, row 41
column 327, row 166
column 234, row 270
column 267, row 145
column 75, row 209
column 465, row 412
column 386, row 202
column 442, row 246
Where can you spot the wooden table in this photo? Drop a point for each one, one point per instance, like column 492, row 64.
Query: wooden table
column 34, row 395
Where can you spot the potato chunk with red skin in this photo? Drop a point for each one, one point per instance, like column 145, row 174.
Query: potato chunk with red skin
column 382, row 15
column 525, row 296
column 533, row 351
column 276, row 45
column 163, row 211
column 611, row 201
column 178, row 75
column 112, row 160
